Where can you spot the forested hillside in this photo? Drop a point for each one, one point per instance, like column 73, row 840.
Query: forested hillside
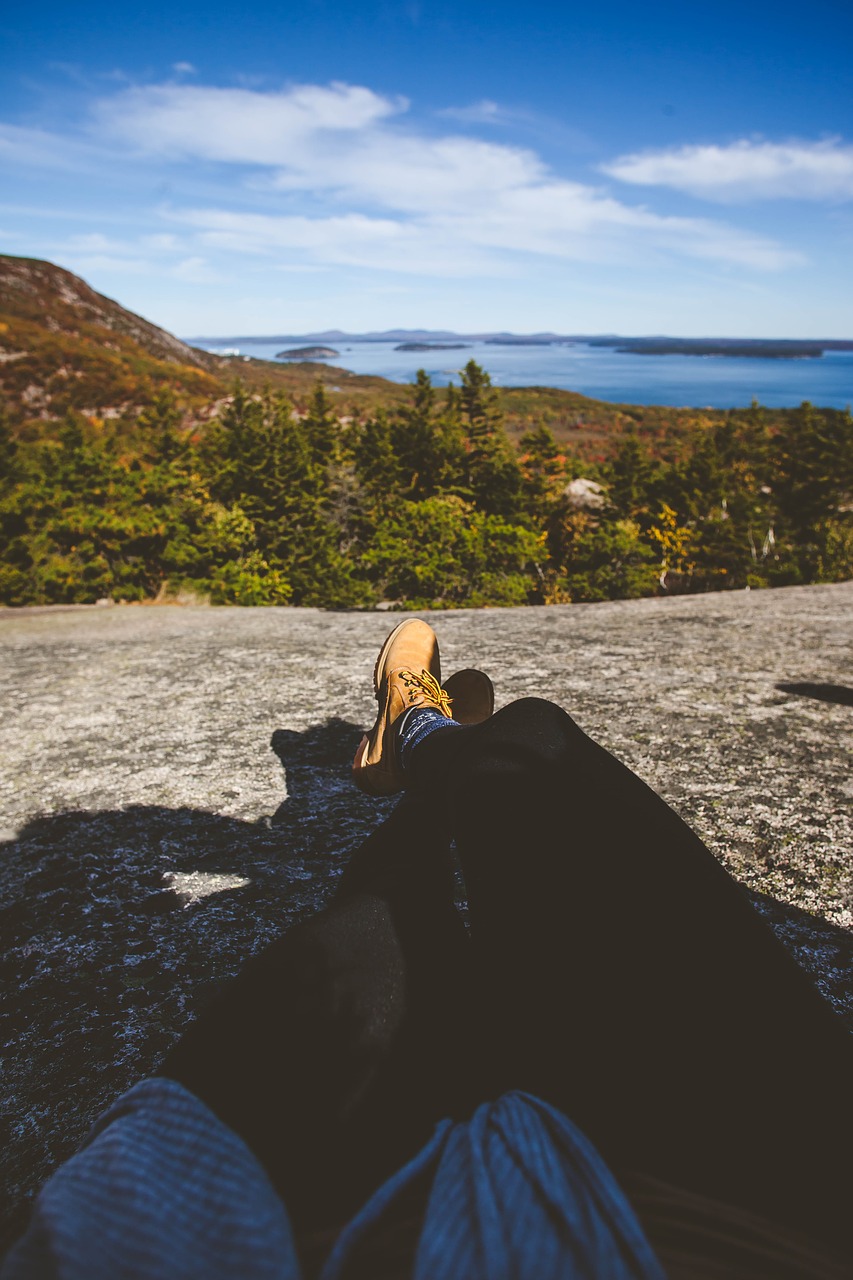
column 134, row 468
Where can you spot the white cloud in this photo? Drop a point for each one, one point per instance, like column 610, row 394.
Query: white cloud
column 237, row 125
column 184, row 68
column 38, row 149
column 354, row 240
column 558, row 221
column 409, row 201
column 483, row 112
column 336, row 174
column 163, row 255
column 195, row 270
column 746, row 170
column 86, row 264
column 413, row 174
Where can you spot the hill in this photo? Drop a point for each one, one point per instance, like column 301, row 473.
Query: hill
column 64, row 346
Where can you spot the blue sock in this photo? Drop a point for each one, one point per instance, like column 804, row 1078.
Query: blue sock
column 416, row 725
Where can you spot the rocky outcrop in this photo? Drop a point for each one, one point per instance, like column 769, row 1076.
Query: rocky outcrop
column 175, row 793
column 584, row 495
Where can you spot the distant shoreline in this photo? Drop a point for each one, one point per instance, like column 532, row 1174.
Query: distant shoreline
column 606, row 371
column 659, row 345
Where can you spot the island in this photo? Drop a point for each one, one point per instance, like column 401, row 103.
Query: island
column 511, row 340
column 750, row 348
column 432, row 346
column 308, row 353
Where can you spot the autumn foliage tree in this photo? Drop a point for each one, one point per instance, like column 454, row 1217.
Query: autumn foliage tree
column 426, row 504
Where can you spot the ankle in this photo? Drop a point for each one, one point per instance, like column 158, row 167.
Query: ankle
column 416, row 725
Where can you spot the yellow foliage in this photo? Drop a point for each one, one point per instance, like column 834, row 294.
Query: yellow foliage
column 675, row 542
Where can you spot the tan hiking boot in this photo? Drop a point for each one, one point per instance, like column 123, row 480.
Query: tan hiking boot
column 472, row 695
column 407, row 674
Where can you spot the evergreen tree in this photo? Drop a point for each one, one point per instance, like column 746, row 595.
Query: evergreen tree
column 493, row 475
column 158, row 429
column 321, row 427
column 631, row 478
column 376, row 460
column 261, row 457
column 429, row 446
column 544, row 471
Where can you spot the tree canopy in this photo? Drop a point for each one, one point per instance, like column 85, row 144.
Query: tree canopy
column 428, row 504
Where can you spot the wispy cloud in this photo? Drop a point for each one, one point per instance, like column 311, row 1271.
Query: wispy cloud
column 339, row 174
column 483, row 112
column 237, row 125
column 556, row 222
column 40, row 149
column 402, row 199
column 745, row 170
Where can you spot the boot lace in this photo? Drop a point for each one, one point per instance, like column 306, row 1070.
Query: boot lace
column 426, row 686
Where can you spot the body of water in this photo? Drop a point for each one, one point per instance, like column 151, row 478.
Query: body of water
column 719, row 382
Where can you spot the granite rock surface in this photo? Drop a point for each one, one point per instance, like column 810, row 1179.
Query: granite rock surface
column 174, row 793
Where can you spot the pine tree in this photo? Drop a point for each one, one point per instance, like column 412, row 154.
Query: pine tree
column 321, row 427
column 631, row 478
column 429, row 445
column 493, row 474
column 478, row 403
column 376, row 461
column 158, row 429
column 543, row 469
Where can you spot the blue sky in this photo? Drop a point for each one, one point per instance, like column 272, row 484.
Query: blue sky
column 658, row 168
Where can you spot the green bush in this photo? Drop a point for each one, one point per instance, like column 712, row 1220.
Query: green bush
column 442, row 553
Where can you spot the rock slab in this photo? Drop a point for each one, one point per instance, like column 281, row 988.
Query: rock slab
column 174, row 793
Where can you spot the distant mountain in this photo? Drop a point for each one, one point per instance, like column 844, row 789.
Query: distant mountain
column 337, row 336
column 65, row 346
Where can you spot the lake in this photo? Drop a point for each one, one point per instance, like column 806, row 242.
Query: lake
column 719, row 382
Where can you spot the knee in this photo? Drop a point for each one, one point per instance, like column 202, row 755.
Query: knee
column 537, row 723
column 527, row 736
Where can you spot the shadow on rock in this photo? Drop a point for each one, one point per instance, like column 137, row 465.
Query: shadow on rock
column 317, row 763
column 840, row 694
column 118, row 925
column 824, row 950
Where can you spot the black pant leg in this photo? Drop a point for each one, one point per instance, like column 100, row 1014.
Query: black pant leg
column 630, row 981
column 337, row 1048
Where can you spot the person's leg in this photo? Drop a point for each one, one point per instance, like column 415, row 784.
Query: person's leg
column 630, row 981
column 337, row 1048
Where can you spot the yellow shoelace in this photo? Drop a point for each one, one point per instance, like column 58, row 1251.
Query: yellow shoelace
column 427, row 685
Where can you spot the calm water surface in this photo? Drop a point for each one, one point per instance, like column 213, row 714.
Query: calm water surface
column 718, row 382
